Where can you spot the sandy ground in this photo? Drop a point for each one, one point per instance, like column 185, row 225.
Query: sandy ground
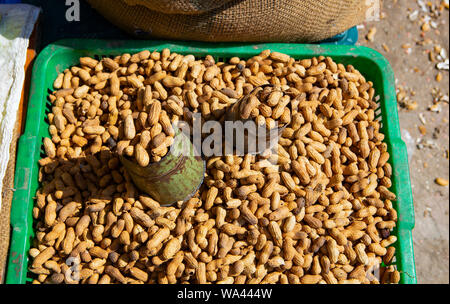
column 406, row 44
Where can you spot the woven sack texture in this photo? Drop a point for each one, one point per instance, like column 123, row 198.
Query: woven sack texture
column 234, row 20
column 189, row 7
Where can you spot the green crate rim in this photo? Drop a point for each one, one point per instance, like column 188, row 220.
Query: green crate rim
column 30, row 141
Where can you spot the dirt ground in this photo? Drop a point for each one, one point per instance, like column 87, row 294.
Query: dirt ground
column 407, row 44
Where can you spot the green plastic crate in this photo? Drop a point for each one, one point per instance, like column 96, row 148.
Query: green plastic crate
column 61, row 55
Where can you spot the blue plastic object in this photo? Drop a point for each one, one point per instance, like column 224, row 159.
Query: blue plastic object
column 349, row 37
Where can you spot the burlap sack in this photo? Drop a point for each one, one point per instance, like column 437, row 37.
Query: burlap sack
column 189, row 7
column 234, row 20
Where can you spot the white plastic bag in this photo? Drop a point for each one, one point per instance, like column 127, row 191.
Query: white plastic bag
column 16, row 25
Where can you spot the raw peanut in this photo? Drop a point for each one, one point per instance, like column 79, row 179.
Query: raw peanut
column 390, row 254
column 316, row 210
column 139, row 56
column 251, row 104
column 141, row 217
column 310, row 279
column 50, row 213
column 279, row 57
column 142, row 156
column 234, row 203
column 84, row 75
column 82, row 224
column 42, row 257
column 210, row 197
column 301, row 171
column 154, row 113
column 166, row 125
column 394, row 277
column 377, row 249
column 386, row 194
column 274, row 98
column 93, row 130
column 171, row 82
column 150, row 203
column 135, row 82
column 175, row 266
column 110, row 64
column 80, row 141
column 96, row 207
column 171, row 248
column 116, row 274
column 49, row 147
column 158, row 76
column 201, row 273
column 158, row 238
column 232, row 229
column 81, row 92
column 315, row 155
column 313, row 222
column 248, row 215
column 441, row 182
column 389, row 241
column 349, row 117
column 338, row 236
column 64, row 92
column 89, row 62
column 361, row 254
column 139, row 274
column 58, row 83
column 280, row 214
column 374, row 157
column 275, row 231
column 161, row 90
column 114, row 85
column 98, row 252
column 52, row 265
column 174, row 105
column 129, row 129
column 67, row 210
column 333, row 251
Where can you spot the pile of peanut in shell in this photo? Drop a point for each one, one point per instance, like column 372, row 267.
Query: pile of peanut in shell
column 322, row 214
